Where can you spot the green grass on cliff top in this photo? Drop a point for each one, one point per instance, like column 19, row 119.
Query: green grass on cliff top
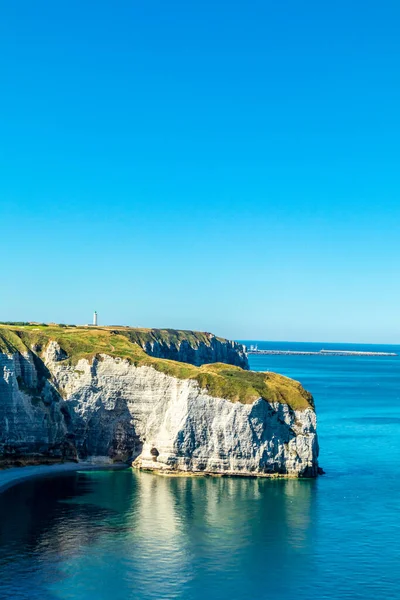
column 219, row 380
column 167, row 336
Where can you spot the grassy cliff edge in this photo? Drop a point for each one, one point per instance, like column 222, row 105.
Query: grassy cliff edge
column 219, row 380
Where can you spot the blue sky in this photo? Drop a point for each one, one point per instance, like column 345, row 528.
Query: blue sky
column 224, row 166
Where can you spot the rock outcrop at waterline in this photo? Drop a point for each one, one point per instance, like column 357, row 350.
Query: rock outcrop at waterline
column 79, row 394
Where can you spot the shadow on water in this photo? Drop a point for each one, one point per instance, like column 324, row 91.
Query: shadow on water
column 137, row 535
column 40, row 530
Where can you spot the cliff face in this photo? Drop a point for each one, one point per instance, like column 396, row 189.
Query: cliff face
column 193, row 347
column 34, row 421
column 222, row 351
column 163, row 416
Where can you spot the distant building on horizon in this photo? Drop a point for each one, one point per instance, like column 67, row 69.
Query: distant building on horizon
column 95, row 317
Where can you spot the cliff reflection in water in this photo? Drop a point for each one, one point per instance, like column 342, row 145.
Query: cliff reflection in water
column 137, row 535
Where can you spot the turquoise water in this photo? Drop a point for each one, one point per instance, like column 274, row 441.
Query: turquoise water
column 125, row 535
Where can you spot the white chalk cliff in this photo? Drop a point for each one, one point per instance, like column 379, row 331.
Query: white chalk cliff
column 108, row 407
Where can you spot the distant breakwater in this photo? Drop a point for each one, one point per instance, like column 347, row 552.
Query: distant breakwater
column 322, row 353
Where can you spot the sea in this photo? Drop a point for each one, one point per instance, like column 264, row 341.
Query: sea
column 125, row 535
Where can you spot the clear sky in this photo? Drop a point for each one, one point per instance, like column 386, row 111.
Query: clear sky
column 225, row 166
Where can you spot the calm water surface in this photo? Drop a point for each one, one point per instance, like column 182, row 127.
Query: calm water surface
column 124, row 535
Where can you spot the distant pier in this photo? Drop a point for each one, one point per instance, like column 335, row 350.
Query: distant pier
column 320, row 352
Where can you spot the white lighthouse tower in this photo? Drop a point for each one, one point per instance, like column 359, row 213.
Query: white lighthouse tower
column 95, row 317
